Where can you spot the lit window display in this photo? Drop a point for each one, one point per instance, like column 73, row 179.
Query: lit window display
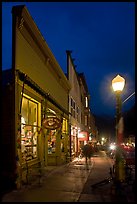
column 64, row 131
column 29, row 129
column 64, row 126
column 53, row 123
column 72, row 146
column 52, row 141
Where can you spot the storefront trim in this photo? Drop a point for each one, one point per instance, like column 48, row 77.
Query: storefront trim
column 27, row 80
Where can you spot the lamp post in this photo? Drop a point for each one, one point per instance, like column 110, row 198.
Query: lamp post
column 118, row 84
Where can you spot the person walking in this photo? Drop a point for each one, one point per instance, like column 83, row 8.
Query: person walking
column 87, row 152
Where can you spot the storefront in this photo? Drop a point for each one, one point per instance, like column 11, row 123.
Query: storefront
column 83, row 138
column 55, row 132
column 49, row 134
column 74, row 141
column 42, row 136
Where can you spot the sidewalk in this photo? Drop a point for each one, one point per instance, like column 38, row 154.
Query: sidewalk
column 105, row 192
column 72, row 183
column 58, row 184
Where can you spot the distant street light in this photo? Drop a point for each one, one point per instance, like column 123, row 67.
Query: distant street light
column 103, row 140
column 118, row 84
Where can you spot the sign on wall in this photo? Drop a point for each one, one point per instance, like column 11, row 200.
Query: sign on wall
column 51, row 123
column 83, row 136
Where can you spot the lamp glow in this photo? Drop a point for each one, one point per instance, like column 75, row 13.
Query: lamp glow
column 118, row 83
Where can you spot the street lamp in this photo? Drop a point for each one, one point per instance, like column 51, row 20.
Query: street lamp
column 118, row 84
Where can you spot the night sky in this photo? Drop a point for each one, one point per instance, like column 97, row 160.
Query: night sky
column 101, row 36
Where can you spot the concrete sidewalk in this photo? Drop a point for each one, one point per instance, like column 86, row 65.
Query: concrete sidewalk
column 105, row 192
column 72, row 183
column 58, row 184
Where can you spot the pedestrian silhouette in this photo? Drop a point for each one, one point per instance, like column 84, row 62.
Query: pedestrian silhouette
column 87, row 152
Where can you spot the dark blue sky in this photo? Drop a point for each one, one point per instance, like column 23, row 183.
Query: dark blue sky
column 101, row 36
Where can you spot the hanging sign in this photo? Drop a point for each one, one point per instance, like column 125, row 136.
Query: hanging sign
column 83, row 136
column 51, row 123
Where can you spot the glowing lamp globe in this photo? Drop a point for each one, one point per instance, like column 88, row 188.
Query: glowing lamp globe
column 118, row 83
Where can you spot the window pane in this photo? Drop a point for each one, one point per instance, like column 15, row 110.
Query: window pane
column 51, row 141
column 24, row 111
column 29, row 129
column 32, row 113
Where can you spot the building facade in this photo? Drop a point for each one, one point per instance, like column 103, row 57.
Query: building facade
column 80, row 122
column 38, row 133
column 74, row 106
column 85, row 133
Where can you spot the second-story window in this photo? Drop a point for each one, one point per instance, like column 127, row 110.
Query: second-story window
column 86, row 120
column 77, row 114
column 73, row 107
column 86, row 101
column 79, row 120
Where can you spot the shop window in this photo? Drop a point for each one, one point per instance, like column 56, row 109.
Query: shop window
column 72, row 145
column 62, row 143
column 65, row 126
column 29, row 129
column 51, row 141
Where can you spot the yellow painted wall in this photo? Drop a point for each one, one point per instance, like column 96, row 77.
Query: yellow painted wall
column 34, row 58
column 30, row 63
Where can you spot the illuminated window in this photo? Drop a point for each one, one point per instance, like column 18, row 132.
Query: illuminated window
column 86, row 101
column 51, row 141
column 29, row 129
column 65, row 126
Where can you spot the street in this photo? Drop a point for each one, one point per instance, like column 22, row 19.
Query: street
column 69, row 183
